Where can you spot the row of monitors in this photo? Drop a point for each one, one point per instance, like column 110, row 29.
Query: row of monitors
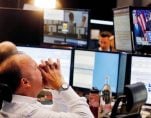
column 132, row 27
column 87, row 69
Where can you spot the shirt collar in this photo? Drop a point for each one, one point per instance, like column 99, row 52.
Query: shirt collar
column 20, row 98
column 100, row 49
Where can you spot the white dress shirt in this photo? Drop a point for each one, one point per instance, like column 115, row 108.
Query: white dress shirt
column 66, row 104
column 100, row 49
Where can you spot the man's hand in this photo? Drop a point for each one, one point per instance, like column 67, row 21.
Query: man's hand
column 51, row 74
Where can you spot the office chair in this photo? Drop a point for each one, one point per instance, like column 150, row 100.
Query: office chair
column 135, row 95
column 5, row 94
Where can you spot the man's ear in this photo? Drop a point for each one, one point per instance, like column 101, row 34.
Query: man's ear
column 25, row 83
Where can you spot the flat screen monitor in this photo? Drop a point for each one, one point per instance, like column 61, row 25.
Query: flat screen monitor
column 92, row 67
column 140, row 72
column 122, row 29
column 66, row 27
column 64, row 55
column 23, row 27
column 141, row 28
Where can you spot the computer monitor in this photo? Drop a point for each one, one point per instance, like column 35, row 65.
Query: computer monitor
column 140, row 72
column 22, row 27
column 92, row 67
column 122, row 29
column 66, row 27
column 141, row 28
column 64, row 55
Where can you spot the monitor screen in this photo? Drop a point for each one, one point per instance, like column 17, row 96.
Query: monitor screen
column 92, row 67
column 141, row 27
column 141, row 72
column 23, row 27
column 39, row 54
column 66, row 27
column 122, row 29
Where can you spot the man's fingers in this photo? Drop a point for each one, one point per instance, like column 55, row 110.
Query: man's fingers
column 50, row 61
column 43, row 63
column 42, row 71
column 51, row 66
column 58, row 63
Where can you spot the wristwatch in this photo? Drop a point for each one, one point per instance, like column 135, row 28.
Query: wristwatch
column 64, row 87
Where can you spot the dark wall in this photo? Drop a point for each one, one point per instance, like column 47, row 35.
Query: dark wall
column 99, row 9
column 9, row 3
column 13, row 3
column 16, row 26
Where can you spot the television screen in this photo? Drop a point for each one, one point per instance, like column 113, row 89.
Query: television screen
column 66, row 27
column 92, row 67
column 39, row 54
column 141, row 27
column 140, row 72
column 23, row 27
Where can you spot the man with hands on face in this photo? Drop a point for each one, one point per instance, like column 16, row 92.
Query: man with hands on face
column 21, row 80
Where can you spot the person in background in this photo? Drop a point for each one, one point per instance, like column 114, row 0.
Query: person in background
column 71, row 24
column 104, row 41
column 21, row 79
column 83, row 21
column 112, row 43
column 6, row 49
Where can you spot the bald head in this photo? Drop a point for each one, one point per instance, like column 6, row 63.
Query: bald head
column 7, row 48
column 20, row 72
column 10, row 73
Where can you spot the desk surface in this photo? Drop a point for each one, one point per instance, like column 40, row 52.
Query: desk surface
column 145, row 112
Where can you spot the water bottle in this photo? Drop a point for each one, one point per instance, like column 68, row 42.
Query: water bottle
column 106, row 96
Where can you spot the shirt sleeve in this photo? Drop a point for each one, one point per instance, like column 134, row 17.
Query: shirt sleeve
column 66, row 104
